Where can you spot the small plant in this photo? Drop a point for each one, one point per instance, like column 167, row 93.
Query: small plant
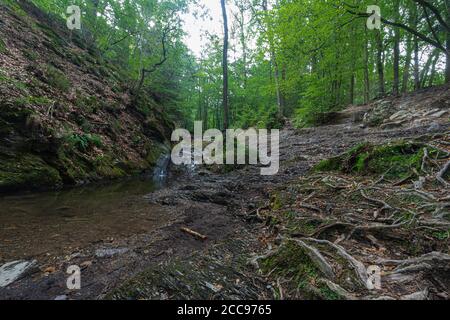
column 57, row 79
column 30, row 55
column 2, row 46
column 83, row 141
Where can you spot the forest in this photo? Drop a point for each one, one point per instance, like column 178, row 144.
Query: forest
column 352, row 95
column 294, row 59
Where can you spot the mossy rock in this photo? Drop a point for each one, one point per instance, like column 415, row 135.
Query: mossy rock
column 397, row 160
column 27, row 171
column 106, row 168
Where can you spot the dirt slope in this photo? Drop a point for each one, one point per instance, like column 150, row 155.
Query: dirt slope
column 65, row 113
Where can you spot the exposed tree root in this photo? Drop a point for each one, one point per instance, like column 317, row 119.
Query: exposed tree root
column 442, row 173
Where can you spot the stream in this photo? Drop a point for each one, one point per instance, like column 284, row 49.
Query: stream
column 59, row 222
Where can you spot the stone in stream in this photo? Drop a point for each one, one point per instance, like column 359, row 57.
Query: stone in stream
column 11, row 271
column 106, row 253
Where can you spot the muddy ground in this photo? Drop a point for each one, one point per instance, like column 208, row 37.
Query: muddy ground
column 236, row 212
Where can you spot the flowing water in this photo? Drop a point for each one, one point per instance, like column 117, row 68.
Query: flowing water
column 58, row 222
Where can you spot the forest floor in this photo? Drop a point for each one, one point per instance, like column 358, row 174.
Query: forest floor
column 301, row 234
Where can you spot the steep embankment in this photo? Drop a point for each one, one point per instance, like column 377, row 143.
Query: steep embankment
column 66, row 115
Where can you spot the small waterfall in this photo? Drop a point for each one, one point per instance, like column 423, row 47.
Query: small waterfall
column 160, row 171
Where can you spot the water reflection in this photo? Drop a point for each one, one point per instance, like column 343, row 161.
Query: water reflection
column 54, row 222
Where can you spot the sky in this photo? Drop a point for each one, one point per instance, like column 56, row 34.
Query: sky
column 195, row 26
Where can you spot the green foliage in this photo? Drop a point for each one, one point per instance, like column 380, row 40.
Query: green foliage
column 300, row 59
column 30, row 55
column 57, row 79
column 292, row 262
column 84, row 141
column 396, row 160
column 2, row 46
column 32, row 101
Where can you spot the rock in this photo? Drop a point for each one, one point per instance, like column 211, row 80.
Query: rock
column 399, row 115
column 61, row 298
column 434, row 127
column 426, row 114
column 420, row 183
column 391, row 125
column 418, row 123
column 11, row 271
column 106, row 253
column 439, row 114
column 417, row 296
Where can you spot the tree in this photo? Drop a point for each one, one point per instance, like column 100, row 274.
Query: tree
column 225, row 66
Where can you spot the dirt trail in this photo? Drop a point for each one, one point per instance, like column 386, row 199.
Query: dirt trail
column 232, row 210
column 224, row 270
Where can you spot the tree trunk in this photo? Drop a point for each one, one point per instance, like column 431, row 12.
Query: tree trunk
column 396, row 85
column 352, row 88
column 416, row 64
column 433, row 70
column 274, row 63
column 407, row 67
column 366, row 71
column 225, row 66
column 426, row 68
column 447, row 55
column 380, row 66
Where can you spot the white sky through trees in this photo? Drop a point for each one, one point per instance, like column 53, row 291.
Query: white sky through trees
column 196, row 26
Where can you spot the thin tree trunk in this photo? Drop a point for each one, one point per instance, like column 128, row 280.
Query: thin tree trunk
column 426, row 68
column 274, row 63
column 433, row 70
column 366, row 70
column 407, row 67
column 416, row 64
column 225, row 66
column 352, row 88
column 380, row 66
column 396, row 85
column 447, row 55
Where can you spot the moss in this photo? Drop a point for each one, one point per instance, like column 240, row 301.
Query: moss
column 32, row 101
column 14, row 114
column 328, row 294
column 332, row 164
column 26, row 171
column 90, row 104
column 13, row 83
column 105, row 167
column 441, row 235
column 3, row 47
column 30, row 55
column 304, row 226
column 154, row 152
column 275, row 202
column 292, row 262
column 395, row 160
column 71, row 168
column 57, row 79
